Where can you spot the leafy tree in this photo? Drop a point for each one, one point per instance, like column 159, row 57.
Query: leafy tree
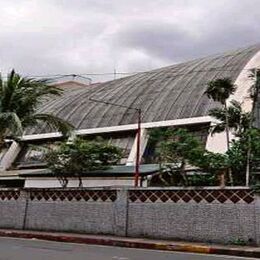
column 79, row 157
column 238, row 154
column 241, row 153
column 237, row 158
column 19, row 100
column 178, row 148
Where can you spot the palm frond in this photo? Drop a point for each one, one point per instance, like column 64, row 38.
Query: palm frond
column 238, row 121
column 218, row 113
column 53, row 122
column 220, row 89
column 20, row 98
column 23, row 95
column 10, row 124
column 218, row 128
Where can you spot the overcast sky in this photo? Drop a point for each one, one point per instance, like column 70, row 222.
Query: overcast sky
column 96, row 36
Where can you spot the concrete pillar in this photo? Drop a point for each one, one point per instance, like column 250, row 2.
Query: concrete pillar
column 121, row 213
column 217, row 143
column 24, row 198
column 143, row 142
column 257, row 218
column 9, row 157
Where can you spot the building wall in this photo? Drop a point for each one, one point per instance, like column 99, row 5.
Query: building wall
column 207, row 215
column 221, row 223
column 12, row 209
column 72, row 210
column 85, row 217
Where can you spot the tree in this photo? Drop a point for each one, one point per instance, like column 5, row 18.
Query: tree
column 19, row 99
column 178, row 148
column 241, row 153
column 79, row 157
column 238, row 121
column 220, row 90
column 238, row 155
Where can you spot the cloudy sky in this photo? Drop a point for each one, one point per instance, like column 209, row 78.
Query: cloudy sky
column 39, row 37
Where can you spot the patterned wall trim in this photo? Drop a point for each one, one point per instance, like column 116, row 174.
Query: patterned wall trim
column 73, row 195
column 10, row 195
column 186, row 196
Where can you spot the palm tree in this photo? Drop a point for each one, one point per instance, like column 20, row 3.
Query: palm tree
column 238, row 121
column 220, row 90
column 19, row 99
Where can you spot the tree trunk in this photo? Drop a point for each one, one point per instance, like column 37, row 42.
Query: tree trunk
column 228, row 142
column 183, row 173
column 227, row 126
column 222, row 182
column 2, row 143
column 248, row 166
column 80, row 182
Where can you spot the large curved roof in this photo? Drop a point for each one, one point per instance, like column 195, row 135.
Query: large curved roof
column 167, row 93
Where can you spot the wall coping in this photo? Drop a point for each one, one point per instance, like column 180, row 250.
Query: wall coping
column 130, row 188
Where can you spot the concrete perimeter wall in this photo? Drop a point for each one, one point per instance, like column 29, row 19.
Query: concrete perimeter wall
column 207, row 215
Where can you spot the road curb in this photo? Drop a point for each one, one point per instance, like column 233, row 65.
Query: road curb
column 218, row 250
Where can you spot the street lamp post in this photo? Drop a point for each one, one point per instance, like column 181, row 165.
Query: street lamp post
column 137, row 159
column 138, row 136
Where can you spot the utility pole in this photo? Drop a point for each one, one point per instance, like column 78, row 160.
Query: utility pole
column 137, row 159
column 138, row 135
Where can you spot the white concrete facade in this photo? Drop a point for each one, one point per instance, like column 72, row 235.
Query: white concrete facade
column 73, row 183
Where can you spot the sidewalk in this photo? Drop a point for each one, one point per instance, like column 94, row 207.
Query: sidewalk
column 135, row 243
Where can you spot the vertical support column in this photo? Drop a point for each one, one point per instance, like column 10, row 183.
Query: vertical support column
column 24, row 199
column 216, row 143
column 10, row 156
column 143, row 142
column 121, row 213
column 257, row 219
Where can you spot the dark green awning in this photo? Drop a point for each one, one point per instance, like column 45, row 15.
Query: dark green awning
column 114, row 171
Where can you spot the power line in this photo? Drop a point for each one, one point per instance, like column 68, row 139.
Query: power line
column 114, row 73
column 135, row 72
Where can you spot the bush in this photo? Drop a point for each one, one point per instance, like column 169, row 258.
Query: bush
column 80, row 157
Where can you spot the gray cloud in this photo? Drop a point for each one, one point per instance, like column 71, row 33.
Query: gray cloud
column 89, row 36
column 217, row 29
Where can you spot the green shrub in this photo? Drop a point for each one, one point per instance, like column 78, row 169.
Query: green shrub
column 73, row 159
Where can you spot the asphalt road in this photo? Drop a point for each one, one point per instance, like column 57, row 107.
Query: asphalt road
column 22, row 249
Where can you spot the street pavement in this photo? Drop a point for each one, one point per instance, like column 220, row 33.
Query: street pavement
column 22, row 249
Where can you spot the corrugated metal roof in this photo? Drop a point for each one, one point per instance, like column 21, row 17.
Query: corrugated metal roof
column 167, row 93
